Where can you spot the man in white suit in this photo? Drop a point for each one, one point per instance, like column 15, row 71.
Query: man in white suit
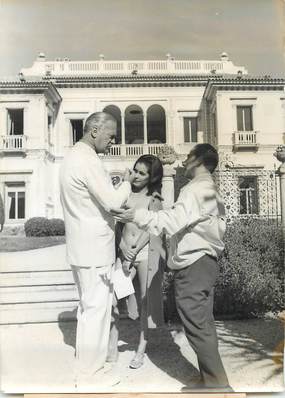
column 87, row 195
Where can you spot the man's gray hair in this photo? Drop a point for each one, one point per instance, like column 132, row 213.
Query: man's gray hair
column 97, row 119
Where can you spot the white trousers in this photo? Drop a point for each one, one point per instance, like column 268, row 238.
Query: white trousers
column 95, row 290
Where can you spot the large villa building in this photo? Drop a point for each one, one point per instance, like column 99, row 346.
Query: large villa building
column 175, row 102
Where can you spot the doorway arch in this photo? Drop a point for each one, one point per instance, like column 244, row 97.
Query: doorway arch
column 134, row 125
column 115, row 111
column 156, row 125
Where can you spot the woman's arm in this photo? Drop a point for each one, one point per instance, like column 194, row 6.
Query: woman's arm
column 130, row 253
column 154, row 205
column 143, row 239
column 120, row 244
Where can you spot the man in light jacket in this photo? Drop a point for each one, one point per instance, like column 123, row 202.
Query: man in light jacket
column 196, row 225
column 87, row 195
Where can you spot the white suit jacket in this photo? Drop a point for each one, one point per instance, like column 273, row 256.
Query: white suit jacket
column 87, row 195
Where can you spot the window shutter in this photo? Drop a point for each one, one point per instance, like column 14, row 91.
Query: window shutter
column 248, row 118
column 77, row 129
column 194, row 129
column 240, row 118
column 186, row 121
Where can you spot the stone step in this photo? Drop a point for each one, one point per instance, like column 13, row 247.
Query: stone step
column 35, row 278
column 38, row 294
column 45, row 259
column 6, row 266
column 37, row 312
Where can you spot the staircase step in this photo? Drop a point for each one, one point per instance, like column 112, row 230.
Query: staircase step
column 46, row 259
column 37, row 312
column 38, row 294
column 34, row 278
column 5, row 266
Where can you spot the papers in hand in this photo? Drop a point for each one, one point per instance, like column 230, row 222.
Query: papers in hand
column 123, row 285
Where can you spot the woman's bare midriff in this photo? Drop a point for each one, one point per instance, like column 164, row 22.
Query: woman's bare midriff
column 131, row 232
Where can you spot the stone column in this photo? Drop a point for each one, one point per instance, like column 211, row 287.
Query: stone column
column 123, row 135
column 123, row 132
column 169, row 116
column 280, row 155
column 167, row 191
column 145, row 131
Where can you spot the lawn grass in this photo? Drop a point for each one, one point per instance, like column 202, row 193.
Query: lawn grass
column 21, row 243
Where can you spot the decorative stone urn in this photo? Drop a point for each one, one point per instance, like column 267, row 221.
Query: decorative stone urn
column 168, row 156
column 280, row 153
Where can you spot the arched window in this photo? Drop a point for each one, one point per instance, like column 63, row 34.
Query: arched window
column 116, row 113
column 156, row 126
column 134, row 125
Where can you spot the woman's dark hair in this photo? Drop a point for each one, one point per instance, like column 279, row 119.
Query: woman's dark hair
column 155, row 171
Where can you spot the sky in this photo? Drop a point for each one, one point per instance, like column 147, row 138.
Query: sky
column 250, row 31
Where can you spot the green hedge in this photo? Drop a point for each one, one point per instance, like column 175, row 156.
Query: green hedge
column 57, row 227
column 251, row 280
column 41, row 226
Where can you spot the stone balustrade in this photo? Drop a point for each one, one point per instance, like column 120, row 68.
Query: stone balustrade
column 12, row 143
column 245, row 139
column 139, row 67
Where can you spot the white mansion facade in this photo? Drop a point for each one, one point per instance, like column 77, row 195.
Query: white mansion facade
column 177, row 102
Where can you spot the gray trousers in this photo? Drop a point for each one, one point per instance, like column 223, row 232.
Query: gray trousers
column 194, row 293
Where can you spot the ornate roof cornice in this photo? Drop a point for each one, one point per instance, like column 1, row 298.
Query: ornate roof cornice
column 48, row 85
column 31, row 87
column 243, row 83
column 128, row 81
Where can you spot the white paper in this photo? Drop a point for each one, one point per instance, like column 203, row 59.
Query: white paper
column 123, row 284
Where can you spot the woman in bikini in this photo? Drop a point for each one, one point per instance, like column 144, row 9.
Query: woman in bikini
column 142, row 254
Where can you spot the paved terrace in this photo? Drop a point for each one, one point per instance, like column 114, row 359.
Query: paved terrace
column 37, row 338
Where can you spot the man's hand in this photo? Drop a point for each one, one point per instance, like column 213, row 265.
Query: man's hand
column 131, row 253
column 123, row 215
column 128, row 176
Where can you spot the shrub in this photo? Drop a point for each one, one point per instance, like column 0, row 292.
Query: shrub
column 37, row 226
column 57, row 227
column 251, row 280
column 251, row 270
column 41, row 226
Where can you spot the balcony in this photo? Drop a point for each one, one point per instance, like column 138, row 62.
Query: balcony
column 134, row 150
column 245, row 140
column 13, row 143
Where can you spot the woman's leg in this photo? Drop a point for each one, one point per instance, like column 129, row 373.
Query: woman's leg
column 142, row 269
column 133, row 304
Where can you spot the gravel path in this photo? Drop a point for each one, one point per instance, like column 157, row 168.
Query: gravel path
column 40, row 358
